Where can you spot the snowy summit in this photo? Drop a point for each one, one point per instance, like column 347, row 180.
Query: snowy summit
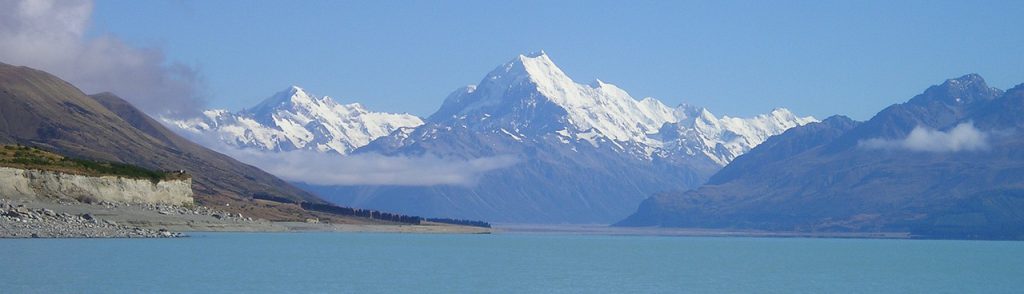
column 585, row 153
column 530, row 96
column 294, row 119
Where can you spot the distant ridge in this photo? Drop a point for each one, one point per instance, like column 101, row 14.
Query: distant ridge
column 945, row 164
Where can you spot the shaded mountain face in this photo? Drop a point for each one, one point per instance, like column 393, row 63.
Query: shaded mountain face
column 41, row 110
column 946, row 164
column 296, row 120
column 586, row 153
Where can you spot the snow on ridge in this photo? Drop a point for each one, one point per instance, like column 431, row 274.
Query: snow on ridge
column 515, row 100
column 603, row 109
column 295, row 119
column 607, row 109
column 515, row 96
column 724, row 139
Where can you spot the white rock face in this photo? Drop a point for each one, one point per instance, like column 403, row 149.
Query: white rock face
column 296, row 120
column 36, row 184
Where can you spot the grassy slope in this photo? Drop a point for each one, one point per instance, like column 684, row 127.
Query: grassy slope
column 26, row 157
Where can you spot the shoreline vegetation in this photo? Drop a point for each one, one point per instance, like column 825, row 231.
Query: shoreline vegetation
column 372, row 214
column 27, row 157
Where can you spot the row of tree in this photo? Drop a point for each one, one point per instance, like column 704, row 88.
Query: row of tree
column 374, row 214
column 461, row 222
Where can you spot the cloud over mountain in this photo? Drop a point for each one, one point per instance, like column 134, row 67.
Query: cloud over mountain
column 963, row 137
column 319, row 168
column 332, row 169
column 51, row 35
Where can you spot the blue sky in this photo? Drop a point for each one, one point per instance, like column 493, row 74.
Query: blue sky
column 736, row 58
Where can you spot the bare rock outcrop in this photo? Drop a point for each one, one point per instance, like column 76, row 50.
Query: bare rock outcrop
column 28, row 183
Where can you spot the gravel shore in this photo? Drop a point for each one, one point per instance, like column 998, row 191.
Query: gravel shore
column 33, row 218
column 62, row 218
column 19, row 221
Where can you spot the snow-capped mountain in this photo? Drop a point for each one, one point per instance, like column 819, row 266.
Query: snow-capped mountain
column 530, row 97
column 294, row 119
column 600, row 108
column 698, row 132
column 589, row 153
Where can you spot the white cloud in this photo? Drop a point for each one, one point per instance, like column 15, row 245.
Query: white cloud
column 332, row 169
column 963, row 137
column 51, row 35
column 369, row 169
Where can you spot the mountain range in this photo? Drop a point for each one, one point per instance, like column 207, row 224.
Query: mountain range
column 295, row 120
column 585, row 153
column 945, row 164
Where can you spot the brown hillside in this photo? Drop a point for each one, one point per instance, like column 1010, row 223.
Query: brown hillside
column 39, row 109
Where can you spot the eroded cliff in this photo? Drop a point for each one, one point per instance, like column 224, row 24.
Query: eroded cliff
column 28, row 183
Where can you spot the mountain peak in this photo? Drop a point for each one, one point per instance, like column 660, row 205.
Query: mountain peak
column 966, row 83
column 516, row 79
column 963, row 90
column 533, row 66
column 534, row 54
column 295, row 119
column 540, row 69
column 291, row 95
column 967, row 79
column 783, row 112
column 838, row 119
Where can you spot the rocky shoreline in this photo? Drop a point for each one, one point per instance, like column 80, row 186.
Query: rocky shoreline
column 19, row 221
column 66, row 218
column 71, row 219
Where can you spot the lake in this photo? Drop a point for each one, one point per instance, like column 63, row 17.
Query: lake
column 506, row 263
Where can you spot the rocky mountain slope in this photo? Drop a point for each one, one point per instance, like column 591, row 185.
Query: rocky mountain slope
column 296, row 120
column 586, row 153
column 946, row 164
column 38, row 109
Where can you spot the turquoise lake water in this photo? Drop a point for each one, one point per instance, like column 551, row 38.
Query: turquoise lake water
column 506, row 263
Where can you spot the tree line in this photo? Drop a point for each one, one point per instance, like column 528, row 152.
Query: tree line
column 369, row 213
column 461, row 222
